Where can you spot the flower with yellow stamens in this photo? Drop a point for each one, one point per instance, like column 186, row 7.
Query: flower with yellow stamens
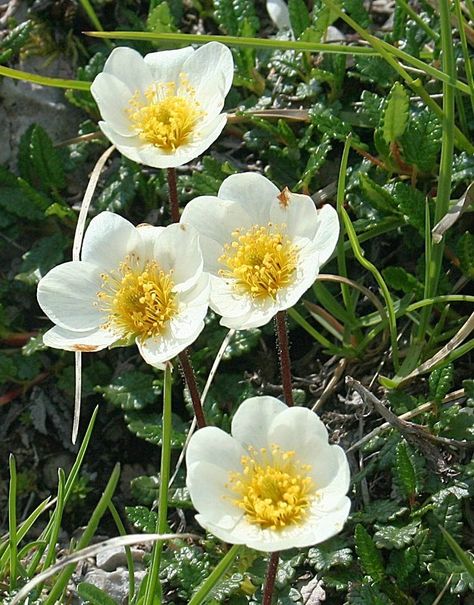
column 275, row 484
column 263, row 248
column 133, row 284
column 164, row 109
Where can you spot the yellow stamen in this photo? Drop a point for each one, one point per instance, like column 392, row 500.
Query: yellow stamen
column 261, row 260
column 169, row 115
column 139, row 300
column 273, row 489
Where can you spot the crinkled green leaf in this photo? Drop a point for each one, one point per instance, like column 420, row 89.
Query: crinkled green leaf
column 421, row 141
column 369, row 556
column 441, row 381
column 132, row 390
column 299, row 16
column 405, row 470
column 40, row 163
column 148, row 426
column 399, row 279
column 391, row 536
column 142, row 518
column 411, row 202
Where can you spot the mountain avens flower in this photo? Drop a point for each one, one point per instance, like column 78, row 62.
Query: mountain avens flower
column 276, row 483
column 262, row 247
column 164, row 109
column 133, row 284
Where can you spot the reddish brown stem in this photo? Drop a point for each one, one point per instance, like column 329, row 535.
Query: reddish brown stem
column 173, row 195
column 284, row 352
column 270, row 580
column 192, row 386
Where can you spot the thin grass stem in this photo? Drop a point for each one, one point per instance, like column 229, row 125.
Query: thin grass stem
column 212, row 580
column 12, row 523
column 162, row 521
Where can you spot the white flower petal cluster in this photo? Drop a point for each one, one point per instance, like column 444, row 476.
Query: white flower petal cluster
column 164, row 109
column 144, row 284
column 275, row 484
column 263, row 248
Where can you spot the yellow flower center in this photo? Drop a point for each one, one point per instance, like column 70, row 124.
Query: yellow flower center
column 273, row 489
column 168, row 117
column 261, row 260
column 139, row 300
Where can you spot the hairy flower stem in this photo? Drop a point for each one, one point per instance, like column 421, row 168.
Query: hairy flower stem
column 173, row 195
column 192, row 386
column 284, row 353
column 270, row 579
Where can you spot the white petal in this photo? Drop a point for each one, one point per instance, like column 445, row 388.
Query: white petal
column 177, row 250
column 259, row 314
column 253, row 419
column 156, row 351
column 327, row 232
column 299, row 214
column 166, row 65
column 108, row 240
column 225, row 301
column 128, row 66
column 215, row 219
column 86, row 342
column 113, row 96
column 210, row 71
column 214, row 446
column 193, row 305
column 67, row 295
column 255, row 193
column 130, row 147
column 320, row 528
column 206, row 483
column 147, row 235
column 336, row 482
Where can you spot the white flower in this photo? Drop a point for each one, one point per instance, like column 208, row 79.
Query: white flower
column 163, row 110
column 262, row 248
column 142, row 284
column 276, row 483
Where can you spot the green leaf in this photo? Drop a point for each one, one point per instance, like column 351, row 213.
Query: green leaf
column 395, row 116
column 142, row 518
column 421, row 141
column 371, row 108
column 160, row 20
column 242, row 342
column 232, row 14
column 145, row 488
column 378, row 197
column 391, row 536
column 405, row 470
column 39, row 161
column 441, row 381
column 93, row 595
column 465, row 248
column 374, row 70
column 45, row 254
column 299, row 16
column 399, row 279
column 411, row 202
column 132, row 390
column 465, row 558
column 330, row 554
column 370, row 557
column 148, row 426
column 366, row 595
